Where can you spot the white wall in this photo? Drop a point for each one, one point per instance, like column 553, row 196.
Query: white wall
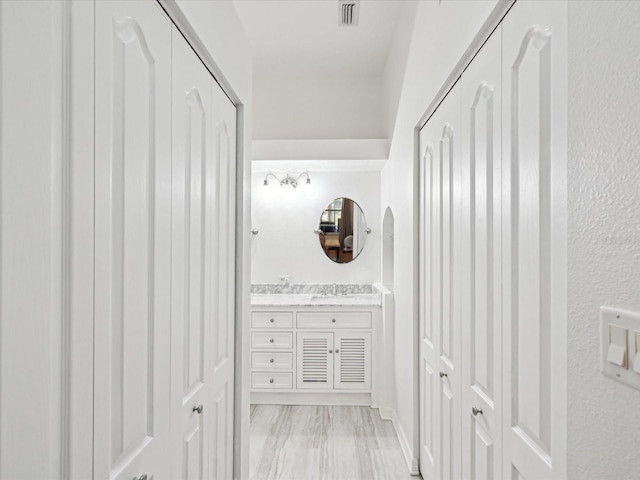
column 219, row 27
column 286, row 218
column 443, row 32
column 604, row 230
column 318, row 108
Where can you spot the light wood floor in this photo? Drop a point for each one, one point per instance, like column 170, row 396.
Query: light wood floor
column 322, row 443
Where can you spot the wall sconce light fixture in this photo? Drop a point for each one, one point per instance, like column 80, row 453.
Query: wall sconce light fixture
column 288, row 179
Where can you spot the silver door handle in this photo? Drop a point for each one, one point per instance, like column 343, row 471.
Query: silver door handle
column 198, row 408
column 141, row 477
column 476, row 411
column 443, row 374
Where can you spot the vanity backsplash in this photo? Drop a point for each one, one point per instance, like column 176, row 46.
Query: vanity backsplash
column 310, row 288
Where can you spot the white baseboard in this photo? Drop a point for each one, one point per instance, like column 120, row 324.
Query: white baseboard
column 386, row 413
column 412, row 462
column 309, row 398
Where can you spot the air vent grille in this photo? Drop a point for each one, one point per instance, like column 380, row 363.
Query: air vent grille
column 348, row 12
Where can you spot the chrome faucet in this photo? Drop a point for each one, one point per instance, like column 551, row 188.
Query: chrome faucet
column 334, row 290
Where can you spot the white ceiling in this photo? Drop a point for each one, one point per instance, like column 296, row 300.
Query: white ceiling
column 302, row 37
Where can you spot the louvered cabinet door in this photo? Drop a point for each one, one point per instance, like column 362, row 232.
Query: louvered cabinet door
column 314, row 360
column 353, row 361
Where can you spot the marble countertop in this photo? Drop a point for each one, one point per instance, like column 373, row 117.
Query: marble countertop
column 315, row 300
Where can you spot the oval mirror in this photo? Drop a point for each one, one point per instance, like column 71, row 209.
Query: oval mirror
column 342, row 230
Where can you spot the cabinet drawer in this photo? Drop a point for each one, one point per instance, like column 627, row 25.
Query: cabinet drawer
column 272, row 360
column 269, row 340
column 334, row 320
column 272, row 320
column 272, row 380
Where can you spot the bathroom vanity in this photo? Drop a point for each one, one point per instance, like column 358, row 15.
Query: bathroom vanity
column 315, row 349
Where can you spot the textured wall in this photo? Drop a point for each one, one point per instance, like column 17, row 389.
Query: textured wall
column 604, row 230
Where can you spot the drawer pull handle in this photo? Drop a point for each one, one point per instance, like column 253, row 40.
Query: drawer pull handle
column 333, row 320
column 271, row 380
column 330, row 351
column 271, row 360
column 476, row 411
column 272, row 320
column 271, row 340
column 198, row 408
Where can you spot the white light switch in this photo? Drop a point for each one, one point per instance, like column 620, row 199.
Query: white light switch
column 636, row 356
column 620, row 345
column 617, row 351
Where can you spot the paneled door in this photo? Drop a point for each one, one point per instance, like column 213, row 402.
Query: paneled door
column 193, row 301
column 222, row 273
column 132, row 240
column 534, row 239
column 429, row 300
column 481, row 231
column 440, row 363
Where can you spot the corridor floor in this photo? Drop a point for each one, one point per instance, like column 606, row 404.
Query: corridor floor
column 324, row 443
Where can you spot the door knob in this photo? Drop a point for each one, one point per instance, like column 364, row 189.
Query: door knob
column 443, row 374
column 198, row 408
column 141, row 477
column 476, row 411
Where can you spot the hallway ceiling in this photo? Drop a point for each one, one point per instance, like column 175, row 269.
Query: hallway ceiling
column 302, row 37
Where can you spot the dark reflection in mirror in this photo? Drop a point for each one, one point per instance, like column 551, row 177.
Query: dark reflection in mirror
column 342, row 230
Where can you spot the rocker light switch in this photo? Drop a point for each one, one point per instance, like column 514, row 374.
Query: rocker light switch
column 620, row 345
column 617, row 351
column 636, row 359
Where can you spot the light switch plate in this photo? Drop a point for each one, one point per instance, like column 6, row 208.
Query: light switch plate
column 620, row 345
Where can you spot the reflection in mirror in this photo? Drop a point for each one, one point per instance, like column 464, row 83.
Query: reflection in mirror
column 342, row 230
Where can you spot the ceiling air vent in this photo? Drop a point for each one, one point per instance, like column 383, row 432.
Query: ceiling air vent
column 348, row 12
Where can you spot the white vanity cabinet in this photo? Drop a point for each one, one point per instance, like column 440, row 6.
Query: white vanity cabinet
column 314, row 355
column 333, row 360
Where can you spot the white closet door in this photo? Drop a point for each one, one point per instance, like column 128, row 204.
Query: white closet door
column 429, row 301
column 191, row 314
column 534, row 241
column 222, row 197
column 132, row 240
column 481, row 231
column 448, row 127
column 440, row 325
